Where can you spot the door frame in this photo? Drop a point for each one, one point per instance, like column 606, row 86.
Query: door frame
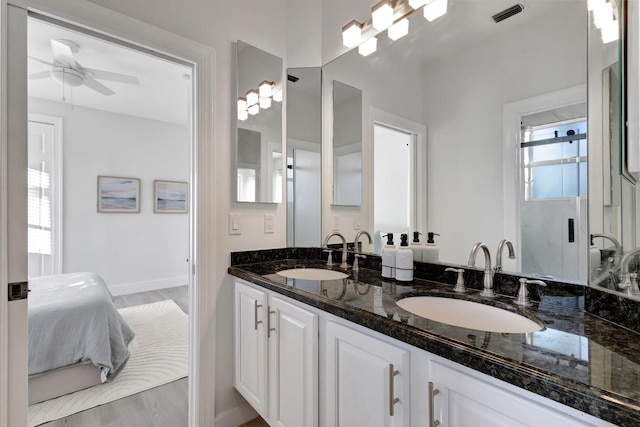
column 512, row 162
column 202, row 299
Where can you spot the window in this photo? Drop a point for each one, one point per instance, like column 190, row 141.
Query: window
column 555, row 160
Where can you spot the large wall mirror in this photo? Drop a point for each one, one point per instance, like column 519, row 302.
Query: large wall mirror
column 259, row 158
column 613, row 152
column 505, row 108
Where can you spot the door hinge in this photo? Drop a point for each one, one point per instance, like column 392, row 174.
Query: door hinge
column 18, row 290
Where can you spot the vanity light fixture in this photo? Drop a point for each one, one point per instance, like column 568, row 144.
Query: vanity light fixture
column 352, row 34
column 368, row 47
column 264, row 89
column 265, row 102
column 605, row 19
column 382, row 15
column 399, row 29
column 254, row 109
column 277, row 96
column 435, row 9
column 392, row 15
column 252, row 97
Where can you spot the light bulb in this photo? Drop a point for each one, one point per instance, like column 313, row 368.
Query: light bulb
column 382, row 15
column 252, row 97
column 399, row 29
column 243, row 115
column 435, row 9
column 242, row 104
column 368, row 47
column 254, row 109
column 277, row 96
column 264, row 89
column 352, row 34
column 417, row 4
column 265, row 103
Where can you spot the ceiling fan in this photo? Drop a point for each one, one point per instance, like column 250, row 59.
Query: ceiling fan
column 67, row 71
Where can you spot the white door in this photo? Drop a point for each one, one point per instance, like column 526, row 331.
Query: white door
column 293, row 366
column 13, row 331
column 367, row 380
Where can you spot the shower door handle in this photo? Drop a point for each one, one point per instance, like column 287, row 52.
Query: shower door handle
column 572, row 236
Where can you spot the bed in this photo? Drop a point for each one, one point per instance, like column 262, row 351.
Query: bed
column 77, row 338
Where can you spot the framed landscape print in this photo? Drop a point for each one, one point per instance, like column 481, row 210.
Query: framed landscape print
column 117, row 194
column 170, row 196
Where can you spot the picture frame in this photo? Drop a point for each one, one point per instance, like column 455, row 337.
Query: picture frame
column 118, row 194
column 170, row 196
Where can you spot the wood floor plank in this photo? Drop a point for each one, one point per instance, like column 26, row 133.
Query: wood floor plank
column 164, row 406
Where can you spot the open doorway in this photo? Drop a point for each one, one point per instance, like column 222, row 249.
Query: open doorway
column 118, row 200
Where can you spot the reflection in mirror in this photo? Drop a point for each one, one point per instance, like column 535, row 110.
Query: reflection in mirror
column 456, row 76
column 259, row 126
column 304, row 138
column 347, row 145
column 613, row 198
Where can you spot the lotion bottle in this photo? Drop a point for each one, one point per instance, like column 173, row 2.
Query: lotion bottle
column 416, row 247
column 389, row 258
column 404, row 260
column 430, row 252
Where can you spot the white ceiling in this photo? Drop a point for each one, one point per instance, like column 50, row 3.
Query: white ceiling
column 164, row 92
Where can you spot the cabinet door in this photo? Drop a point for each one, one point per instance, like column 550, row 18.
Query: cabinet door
column 251, row 346
column 367, row 380
column 293, row 366
column 463, row 401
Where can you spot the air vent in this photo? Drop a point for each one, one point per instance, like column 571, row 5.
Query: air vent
column 507, row 13
column 292, row 79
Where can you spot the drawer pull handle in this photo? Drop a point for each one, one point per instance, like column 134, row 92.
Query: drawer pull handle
column 392, row 399
column 269, row 328
column 256, row 306
column 432, row 392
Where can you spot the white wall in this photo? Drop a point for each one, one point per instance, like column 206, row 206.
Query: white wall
column 465, row 154
column 128, row 250
column 272, row 26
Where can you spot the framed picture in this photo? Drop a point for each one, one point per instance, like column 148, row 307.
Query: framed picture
column 117, row 194
column 170, row 196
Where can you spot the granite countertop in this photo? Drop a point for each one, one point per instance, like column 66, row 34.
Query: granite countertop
column 579, row 360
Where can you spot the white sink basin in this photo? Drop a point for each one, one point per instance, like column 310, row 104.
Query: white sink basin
column 312, row 274
column 468, row 314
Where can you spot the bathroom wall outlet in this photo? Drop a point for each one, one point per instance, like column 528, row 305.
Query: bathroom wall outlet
column 234, row 223
column 336, row 223
column 269, row 219
column 357, row 222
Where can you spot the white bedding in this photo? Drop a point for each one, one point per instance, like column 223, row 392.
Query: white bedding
column 72, row 319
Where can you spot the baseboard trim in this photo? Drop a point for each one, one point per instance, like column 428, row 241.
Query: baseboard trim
column 149, row 285
column 235, row 417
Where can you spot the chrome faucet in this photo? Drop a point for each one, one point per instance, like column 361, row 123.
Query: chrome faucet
column 615, row 242
column 357, row 239
column 625, row 277
column 512, row 254
column 344, row 264
column 487, row 290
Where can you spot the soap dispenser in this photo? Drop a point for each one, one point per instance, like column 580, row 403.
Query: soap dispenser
column 404, row 260
column 389, row 258
column 416, row 247
column 430, row 252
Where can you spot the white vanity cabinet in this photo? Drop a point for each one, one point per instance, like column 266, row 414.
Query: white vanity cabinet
column 276, row 348
column 461, row 400
column 367, row 379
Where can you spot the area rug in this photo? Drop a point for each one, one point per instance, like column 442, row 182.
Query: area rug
column 159, row 355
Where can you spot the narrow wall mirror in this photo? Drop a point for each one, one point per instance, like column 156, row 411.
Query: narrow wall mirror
column 613, row 152
column 259, row 158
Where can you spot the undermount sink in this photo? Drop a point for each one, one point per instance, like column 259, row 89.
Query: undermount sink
column 312, row 274
column 468, row 314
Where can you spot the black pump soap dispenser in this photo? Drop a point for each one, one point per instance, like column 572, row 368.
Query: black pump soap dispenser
column 430, row 252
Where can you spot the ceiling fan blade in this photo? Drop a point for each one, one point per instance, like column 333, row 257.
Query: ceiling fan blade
column 40, row 75
column 42, row 61
column 112, row 77
column 98, row 87
column 62, row 53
